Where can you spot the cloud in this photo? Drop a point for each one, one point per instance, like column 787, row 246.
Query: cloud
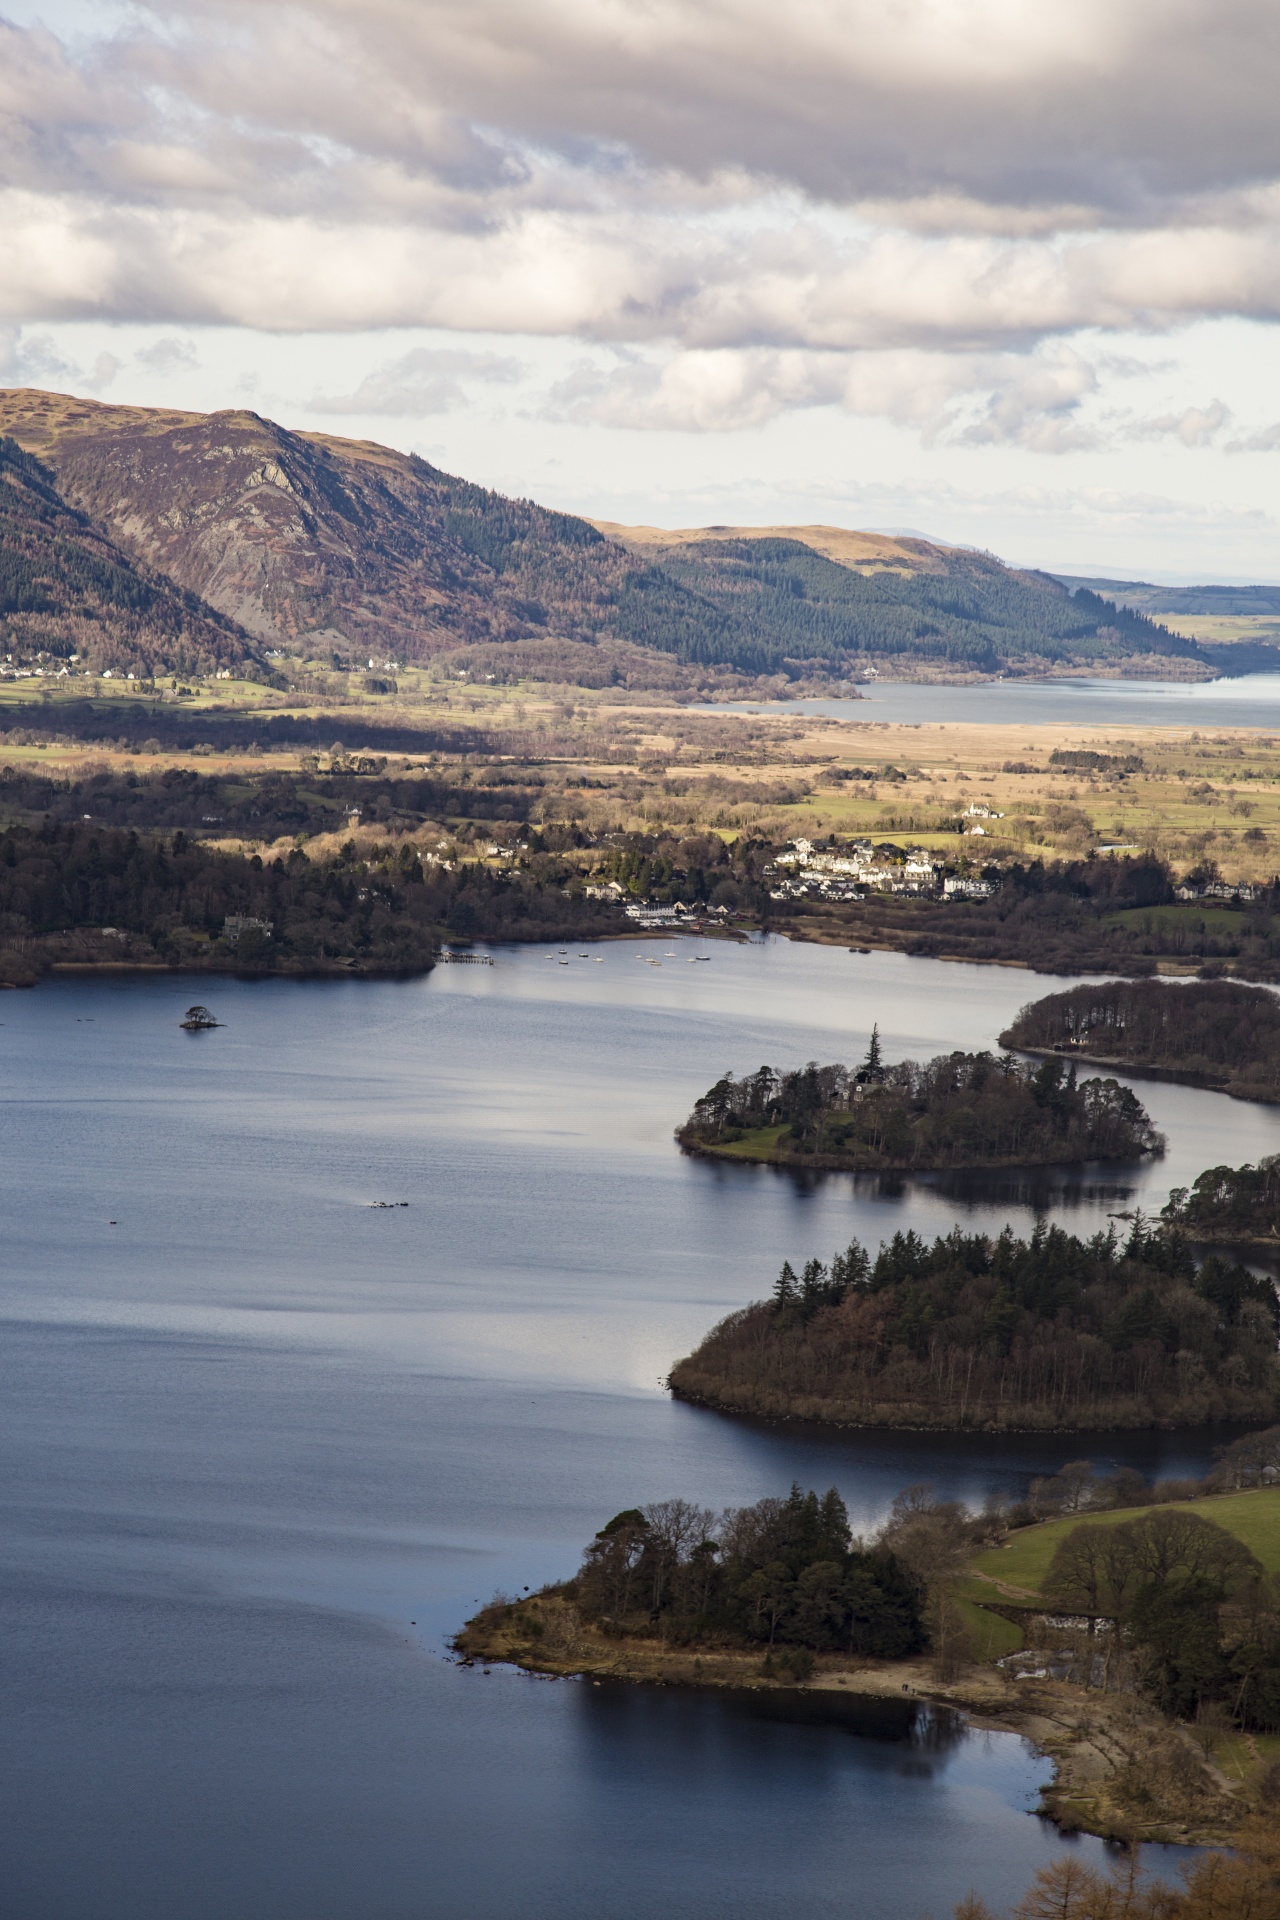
column 760, row 213
column 167, row 356
column 1195, row 426
column 1029, row 400
column 425, row 380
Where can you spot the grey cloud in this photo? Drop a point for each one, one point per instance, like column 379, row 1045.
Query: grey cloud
column 167, row 356
column 1194, row 426
column 423, row 381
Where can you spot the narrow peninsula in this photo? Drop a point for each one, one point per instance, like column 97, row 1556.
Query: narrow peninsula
column 962, row 1110
column 1205, row 1033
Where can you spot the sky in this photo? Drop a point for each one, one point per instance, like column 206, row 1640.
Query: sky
column 1001, row 272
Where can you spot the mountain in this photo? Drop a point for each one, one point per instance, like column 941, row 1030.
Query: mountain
column 322, row 545
column 65, row 589
column 312, row 541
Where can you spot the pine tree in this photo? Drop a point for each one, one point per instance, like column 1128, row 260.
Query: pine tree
column 786, row 1290
column 872, row 1069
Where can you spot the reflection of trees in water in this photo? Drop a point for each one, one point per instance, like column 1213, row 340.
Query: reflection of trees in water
column 693, row 1713
column 1038, row 1189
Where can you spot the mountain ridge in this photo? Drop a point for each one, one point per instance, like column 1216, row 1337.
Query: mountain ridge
column 312, row 543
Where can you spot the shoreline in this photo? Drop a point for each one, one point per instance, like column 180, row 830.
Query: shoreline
column 1092, row 1739
column 835, row 1163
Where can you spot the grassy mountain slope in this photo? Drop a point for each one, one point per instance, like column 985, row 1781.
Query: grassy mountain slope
column 314, row 541
column 66, row 589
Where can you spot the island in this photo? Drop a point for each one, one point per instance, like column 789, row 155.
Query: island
column 1205, row 1033
column 962, row 1110
column 1098, row 1616
column 1047, row 1334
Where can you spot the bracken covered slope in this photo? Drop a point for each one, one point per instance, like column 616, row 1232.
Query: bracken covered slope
column 66, row 589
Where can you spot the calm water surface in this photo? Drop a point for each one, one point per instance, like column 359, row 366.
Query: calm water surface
column 265, row 1446
column 1253, row 700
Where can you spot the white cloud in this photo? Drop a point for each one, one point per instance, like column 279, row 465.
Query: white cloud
column 424, row 380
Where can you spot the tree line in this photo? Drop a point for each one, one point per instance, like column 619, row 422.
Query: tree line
column 1048, row 1332
column 170, row 898
column 785, row 1573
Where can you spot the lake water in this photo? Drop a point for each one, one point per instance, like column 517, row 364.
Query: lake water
column 1252, row 700
column 264, row 1446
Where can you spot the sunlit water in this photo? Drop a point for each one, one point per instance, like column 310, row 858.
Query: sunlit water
column 1253, row 700
column 265, row 1446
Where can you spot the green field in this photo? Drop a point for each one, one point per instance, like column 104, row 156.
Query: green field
column 1190, row 917
column 1254, row 1518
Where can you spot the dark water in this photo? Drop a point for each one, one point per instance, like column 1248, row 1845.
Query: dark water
column 264, row 1447
column 1250, row 701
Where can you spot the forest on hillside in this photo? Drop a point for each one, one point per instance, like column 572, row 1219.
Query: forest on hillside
column 1050, row 1332
column 788, row 603
column 960, row 1110
column 1216, row 1033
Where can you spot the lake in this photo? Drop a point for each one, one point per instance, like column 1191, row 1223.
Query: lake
column 265, row 1446
column 1253, row 700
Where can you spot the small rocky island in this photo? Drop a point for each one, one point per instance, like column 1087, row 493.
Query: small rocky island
column 962, row 1110
column 1204, row 1033
column 1048, row 1334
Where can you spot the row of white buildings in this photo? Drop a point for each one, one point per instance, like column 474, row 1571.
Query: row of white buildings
column 805, row 873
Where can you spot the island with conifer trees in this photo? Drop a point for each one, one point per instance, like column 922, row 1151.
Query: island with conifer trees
column 961, row 1111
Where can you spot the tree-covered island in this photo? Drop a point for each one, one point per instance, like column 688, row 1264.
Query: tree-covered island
column 1206, row 1033
column 1052, row 1333
column 962, row 1110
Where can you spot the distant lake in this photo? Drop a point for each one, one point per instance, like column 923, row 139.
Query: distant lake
column 1251, row 701
column 265, row 1446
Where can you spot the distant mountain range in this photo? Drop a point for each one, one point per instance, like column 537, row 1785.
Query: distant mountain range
column 1258, row 602
column 160, row 540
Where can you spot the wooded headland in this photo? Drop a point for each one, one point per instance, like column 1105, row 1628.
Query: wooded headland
column 1208, row 1033
column 1050, row 1334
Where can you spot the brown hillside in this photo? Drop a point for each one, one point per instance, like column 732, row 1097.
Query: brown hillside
column 863, row 552
column 312, row 537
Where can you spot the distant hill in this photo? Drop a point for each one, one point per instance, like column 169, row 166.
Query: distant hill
column 311, row 542
column 1237, row 601
column 66, row 589
column 825, row 593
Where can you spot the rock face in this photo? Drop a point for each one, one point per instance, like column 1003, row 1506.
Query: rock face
column 305, row 537
column 65, row 589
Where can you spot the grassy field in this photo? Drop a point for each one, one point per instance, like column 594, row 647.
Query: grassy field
column 1254, row 1518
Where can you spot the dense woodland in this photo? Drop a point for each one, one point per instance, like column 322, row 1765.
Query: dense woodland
column 1198, row 1614
column 1053, row 1332
column 1230, row 1203
column 81, row 895
column 781, row 1573
column 1215, row 1033
column 960, row 1110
